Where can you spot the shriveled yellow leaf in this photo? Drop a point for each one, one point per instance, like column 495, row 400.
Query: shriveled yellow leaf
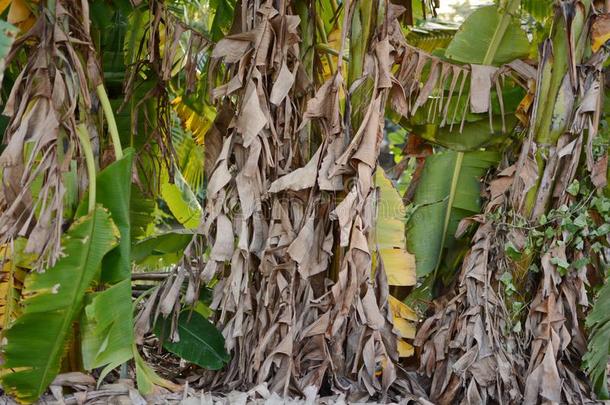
column 405, row 349
column 522, row 112
column 600, row 31
column 390, row 234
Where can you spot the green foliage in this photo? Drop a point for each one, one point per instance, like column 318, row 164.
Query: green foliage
column 200, row 342
column 110, row 22
column 142, row 214
column 474, row 37
column 474, row 136
column 54, row 300
column 182, row 202
column 448, row 191
column 539, row 9
column 107, row 328
column 162, row 249
column 146, row 377
column 107, row 322
column 223, row 18
column 114, row 193
column 595, row 361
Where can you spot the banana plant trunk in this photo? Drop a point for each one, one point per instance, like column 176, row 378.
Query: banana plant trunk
column 290, row 204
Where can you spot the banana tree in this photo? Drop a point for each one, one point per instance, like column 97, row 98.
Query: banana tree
column 510, row 326
column 218, row 161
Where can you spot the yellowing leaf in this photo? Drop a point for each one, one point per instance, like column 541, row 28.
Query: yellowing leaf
column 330, row 50
column 399, row 265
column 405, row 349
column 405, row 328
column 390, row 233
column 522, row 112
column 11, row 284
column 19, row 13
column 401, row 310
column 3, row 5
column 404, row 319
column 182, row 203
column 197, row 124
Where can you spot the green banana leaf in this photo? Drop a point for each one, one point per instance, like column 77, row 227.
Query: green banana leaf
column 54, row 300
column 182, row 202
column 473, row 39
column 539, row 9
column 114, row 193
column 200, row 342
column 448, row 191
column 107, row 322
column 474, row 136
column 142, row 214
column 107, row 328
column 164, row 247
column 223, row 18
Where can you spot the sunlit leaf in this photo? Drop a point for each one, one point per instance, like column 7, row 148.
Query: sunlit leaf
column 182, row 203
column 390, row 233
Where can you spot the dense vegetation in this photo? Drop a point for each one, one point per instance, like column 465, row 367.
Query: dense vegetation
column 346, row 195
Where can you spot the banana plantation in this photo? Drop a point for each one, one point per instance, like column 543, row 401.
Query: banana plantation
column 248, row 201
